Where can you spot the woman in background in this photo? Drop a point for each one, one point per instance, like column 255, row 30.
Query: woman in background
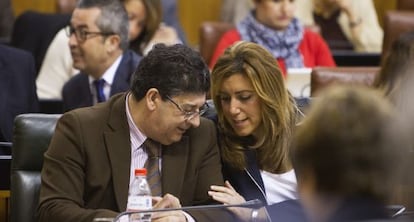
column 145, row 25
column 145, row 30
column 344, row 24
column 256, row 117
column 272, row 24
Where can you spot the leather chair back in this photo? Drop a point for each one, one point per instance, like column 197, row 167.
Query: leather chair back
column 32, row 134
column 405, row 4
column 322, row 77
column 210, row 35
column 396, row 23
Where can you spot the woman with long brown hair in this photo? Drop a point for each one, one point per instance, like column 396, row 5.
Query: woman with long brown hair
column 256, row 116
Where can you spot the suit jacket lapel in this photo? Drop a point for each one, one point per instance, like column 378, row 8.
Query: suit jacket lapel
column 124, row 71
column 85, row 96
column 118, row 145
column 174, row 164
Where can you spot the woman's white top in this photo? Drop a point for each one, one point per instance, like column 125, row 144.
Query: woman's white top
column 279, row 187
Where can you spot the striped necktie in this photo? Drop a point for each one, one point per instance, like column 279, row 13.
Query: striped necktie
column 99, row 86
column 153, row 149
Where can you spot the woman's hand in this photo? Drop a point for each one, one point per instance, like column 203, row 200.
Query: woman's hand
column 165, row 34
column 343, row 5
column 226, row 194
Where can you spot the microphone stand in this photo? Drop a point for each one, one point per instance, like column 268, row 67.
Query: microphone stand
column 255, row 205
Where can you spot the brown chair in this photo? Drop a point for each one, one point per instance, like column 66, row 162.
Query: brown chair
column 210, row 34
column 405, row 4
column 322, row 77
column 396, row 23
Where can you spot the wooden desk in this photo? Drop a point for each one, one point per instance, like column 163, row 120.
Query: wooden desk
column 4, row 205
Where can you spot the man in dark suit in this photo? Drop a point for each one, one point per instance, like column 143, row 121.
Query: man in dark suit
column 17, row 88
column 88, row 167
column 98, row 40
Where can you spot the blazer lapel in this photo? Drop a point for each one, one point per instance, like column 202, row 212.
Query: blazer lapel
column 119, row 150
column 174, row 164
column 124, row 71
column 85, row 95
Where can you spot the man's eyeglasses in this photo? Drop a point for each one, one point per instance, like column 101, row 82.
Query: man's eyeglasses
column 81, row 34
column 190, row 114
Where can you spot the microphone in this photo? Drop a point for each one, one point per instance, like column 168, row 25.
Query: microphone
column 254, row 204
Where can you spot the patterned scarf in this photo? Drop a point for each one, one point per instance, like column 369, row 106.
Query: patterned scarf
column 282, row 44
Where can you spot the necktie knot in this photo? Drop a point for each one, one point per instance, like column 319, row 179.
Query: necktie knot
column 99, row 86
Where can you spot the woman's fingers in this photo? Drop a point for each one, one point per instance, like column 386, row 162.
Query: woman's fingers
column 227, row 197
column 220, row 197
column 224, row 189
column 228, row 185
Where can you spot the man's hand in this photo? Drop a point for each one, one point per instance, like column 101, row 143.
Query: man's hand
column 168, row 201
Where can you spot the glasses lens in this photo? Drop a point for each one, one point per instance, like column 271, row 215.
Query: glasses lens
column 81, row 34
column 68, row 30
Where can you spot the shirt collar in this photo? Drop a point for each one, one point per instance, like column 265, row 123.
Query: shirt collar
column 109, row 74
column 137, row 137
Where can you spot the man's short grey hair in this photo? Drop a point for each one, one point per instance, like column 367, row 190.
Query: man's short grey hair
column 113, row 18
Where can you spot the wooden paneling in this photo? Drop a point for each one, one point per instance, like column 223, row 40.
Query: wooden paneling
column 193, row 12
column 382, row 6
column 20, row 6
column 4, row 205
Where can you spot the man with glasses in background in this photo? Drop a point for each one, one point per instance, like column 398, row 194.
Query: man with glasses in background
column 98, row 41
column 89, row 165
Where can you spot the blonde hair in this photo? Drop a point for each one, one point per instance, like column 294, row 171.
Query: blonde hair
column 278, row 107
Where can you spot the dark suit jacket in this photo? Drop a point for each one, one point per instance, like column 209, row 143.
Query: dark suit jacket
column 87, row 166
column 17, row 88
column 76, row 92
column 359, row 209
column 33, row 32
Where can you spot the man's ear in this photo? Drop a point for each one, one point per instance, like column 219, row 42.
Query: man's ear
column 113, row 43
column 152, row 98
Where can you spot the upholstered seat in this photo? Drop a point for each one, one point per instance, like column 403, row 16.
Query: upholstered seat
column 210, row 35
column 405, row 4
column 32, row 134
column 396, row 23
column 322, row 77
